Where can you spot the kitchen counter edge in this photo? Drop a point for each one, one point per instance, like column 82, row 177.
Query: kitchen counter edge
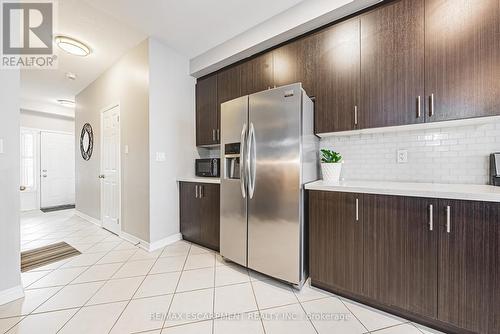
column 194, row 179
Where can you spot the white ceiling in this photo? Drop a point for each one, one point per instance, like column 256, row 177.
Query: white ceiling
column 193, row 26
column 108, row 38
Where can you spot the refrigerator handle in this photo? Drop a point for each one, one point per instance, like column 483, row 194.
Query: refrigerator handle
column 252, row 153
column 243, row 161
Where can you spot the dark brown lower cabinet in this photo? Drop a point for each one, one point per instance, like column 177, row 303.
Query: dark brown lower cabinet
column 200, row 213
column 433, row 261
column 336, row 245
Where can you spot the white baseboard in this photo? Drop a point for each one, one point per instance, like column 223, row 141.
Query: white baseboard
column 164, row 242
column 136, row 241
column 9, row 295
column 88, row 218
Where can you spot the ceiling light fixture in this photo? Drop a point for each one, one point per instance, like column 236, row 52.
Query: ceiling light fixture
column 72, row 46
column 66, row 103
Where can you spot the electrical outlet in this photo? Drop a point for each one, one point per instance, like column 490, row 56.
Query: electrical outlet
column 402, row 156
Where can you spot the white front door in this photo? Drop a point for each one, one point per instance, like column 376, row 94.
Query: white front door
column 57, row 164
column 110, row 170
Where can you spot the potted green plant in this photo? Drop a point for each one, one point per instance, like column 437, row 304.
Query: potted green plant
column 331, row 165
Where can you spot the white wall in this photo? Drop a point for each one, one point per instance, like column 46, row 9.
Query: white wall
column 304, row 17
column 125, row 83
column 43, row 121
column 10, row 280
column 171, row 131
column 458, row 154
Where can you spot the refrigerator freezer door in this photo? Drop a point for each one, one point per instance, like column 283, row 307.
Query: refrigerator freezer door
column 274, row 210
column 233, row 220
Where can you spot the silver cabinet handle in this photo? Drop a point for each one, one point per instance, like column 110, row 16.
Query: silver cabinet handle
column 357, row 209
column 431, row 105
column 355, row 115
column 218, row 134
column 242, row 161
column 213, row 134
column 431, row 217
column 252, row 165
column 202, row 188
column 196, row 191
column 419, row 107
column 448, row 219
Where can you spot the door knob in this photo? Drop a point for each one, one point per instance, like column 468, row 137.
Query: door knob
column 22, row 188
column 44, row 175
column 102, row 176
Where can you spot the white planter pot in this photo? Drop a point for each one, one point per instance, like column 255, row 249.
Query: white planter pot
column 331, row 171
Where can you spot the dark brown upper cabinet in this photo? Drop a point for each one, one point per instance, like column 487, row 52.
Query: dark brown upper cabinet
column 337, row 75
column 336, row 240
column 257, row 74
column 462, row 55
column 392, row 65
column 228, row 85
column 468, row 252
column 296, row 62
column 207, row 111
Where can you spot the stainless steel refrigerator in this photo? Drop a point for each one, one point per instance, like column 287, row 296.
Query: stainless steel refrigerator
column 268, row 152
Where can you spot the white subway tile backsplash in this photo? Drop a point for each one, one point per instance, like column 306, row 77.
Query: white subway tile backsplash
column 440, row 155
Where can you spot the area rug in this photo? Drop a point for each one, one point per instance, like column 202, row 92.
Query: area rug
column 45, row 255
column 58, row 208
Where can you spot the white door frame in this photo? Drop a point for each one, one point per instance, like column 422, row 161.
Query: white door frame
column 114, row 105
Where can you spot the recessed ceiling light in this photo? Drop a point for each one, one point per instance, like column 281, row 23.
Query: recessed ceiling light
column 72, row 46
column 71, row 75
column 66, row 103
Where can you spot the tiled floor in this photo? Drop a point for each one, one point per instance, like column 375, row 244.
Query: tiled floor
column 115, row 287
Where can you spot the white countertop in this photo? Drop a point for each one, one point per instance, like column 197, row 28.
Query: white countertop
column 432, row 190
column 198, row 179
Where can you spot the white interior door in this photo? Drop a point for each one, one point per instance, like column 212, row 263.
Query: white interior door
column 57, row 164
column 110, row 170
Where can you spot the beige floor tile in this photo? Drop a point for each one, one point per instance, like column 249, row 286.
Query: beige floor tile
column 400, row 329
column 191, row 306
column 196, row 279
column 289, row 319
column 168, row 264
column 70, row 296
column 96, row 319
column 116, row 290
column 43, row 323
column 177, row 249
column 141, row 254
column 329, row 315
column 234, row 299
column 31, row 300
column 99, row 272
column 84, row 260
column 8, row 323
column 196, row 249
column 135, row 268
column 160, row 284
column 125, row 245
column 242, row 324
column 202, row 327
column 231, row 274
column 31, row 277
column 58, row 277
column 308, row 293
column 116, row 256
column 371, row 318
column 427, row 330
column 197, row 261
column 272, row 294
column 103, row 246
column 143, row 314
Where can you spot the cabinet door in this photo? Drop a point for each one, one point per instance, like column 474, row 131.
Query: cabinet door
column 337, row 73
column 189, row 212
column 207, row 120
column 494, row 266
column 228, row 85
column 392, row 65
column 466, row 250
column 335, row 240
column 385, row 231
column 296, row 62
column 257, row 74
column 462, row 52
column 210, row 215
column 421, row 256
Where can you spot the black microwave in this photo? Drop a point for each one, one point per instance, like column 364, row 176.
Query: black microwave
column 208, row 167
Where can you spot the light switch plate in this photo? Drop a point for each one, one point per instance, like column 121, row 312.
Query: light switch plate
column 160, row 156
column 402, row 156
column 1, row 146
column 126, row 149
